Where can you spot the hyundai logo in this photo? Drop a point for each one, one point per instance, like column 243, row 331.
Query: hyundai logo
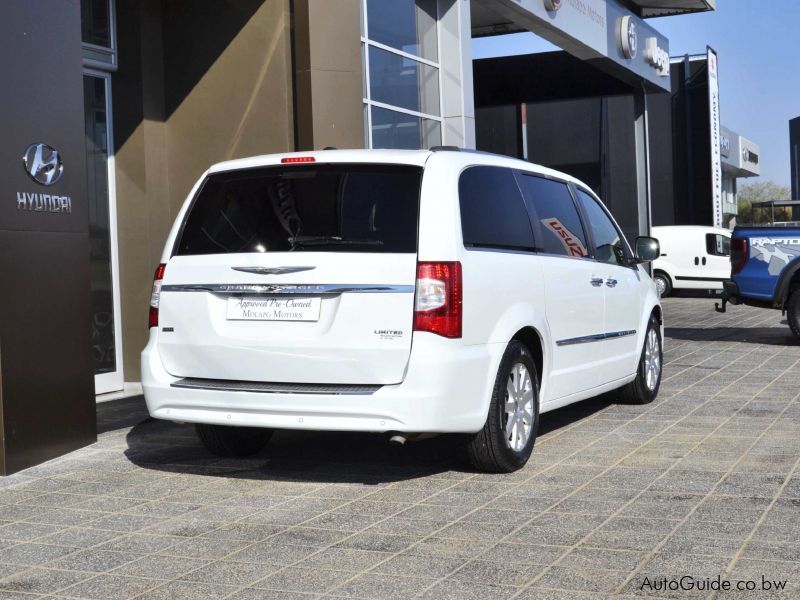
column 43, row 164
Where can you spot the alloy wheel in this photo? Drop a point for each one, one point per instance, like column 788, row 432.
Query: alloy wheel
column 518, row 407
column 652, row 360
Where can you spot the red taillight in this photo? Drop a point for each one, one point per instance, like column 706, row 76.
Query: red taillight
column 297, row 159
column 155, row 296
column 739, row 255
column 438, row 303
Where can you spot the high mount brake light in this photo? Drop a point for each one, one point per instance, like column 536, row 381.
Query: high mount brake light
column 297, row 159
column 155, row 296
column 439, row 299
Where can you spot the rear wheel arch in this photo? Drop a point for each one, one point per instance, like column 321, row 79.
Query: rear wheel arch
column 663, row 272
column 533, row 342
column 788, row 279
column 669, row 279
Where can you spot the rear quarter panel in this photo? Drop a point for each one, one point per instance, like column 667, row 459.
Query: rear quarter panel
column 770, row 251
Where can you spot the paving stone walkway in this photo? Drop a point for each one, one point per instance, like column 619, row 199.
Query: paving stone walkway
column 617, row 500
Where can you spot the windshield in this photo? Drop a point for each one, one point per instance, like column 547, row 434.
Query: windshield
column 321, row 208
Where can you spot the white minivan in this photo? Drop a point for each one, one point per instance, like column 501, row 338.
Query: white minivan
column 693, row 257
column 395, row 291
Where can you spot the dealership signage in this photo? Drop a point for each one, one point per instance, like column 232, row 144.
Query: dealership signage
column 596, row 29
column 749, row 156
column 43, row 165
column 44, row 203
column 628, row 38
column 716, row 154
column 725, row 146
column 656, row 56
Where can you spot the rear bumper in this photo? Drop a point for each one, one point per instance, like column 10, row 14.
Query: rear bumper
column 446, row 389
column 733, row 295
column 730, row 290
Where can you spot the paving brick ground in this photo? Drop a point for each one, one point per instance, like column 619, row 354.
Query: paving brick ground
column 703, row 483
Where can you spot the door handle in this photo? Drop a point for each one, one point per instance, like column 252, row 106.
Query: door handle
column 696, row 261
column 704, row 261
column 596, row 281
column 611, row 282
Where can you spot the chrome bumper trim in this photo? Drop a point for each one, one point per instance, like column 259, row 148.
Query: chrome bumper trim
column 225, row 385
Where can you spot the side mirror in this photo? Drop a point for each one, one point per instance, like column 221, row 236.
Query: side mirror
column 647, row 249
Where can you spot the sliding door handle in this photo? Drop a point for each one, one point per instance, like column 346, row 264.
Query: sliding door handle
column 596, row 281
column 610, row 282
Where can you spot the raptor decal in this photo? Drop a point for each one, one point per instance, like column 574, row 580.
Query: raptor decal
column 776, row 252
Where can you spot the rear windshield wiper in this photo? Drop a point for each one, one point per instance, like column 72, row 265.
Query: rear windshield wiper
column 330, row 240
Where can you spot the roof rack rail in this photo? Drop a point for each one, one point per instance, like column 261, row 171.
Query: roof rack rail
column 330, row 148
column 445, row 149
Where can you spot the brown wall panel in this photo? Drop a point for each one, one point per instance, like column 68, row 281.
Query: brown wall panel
column 329, row 104
column 184, row 101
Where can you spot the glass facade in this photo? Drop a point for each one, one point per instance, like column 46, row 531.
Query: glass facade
column 98, row 35
column 402, row 99
column 95, row 109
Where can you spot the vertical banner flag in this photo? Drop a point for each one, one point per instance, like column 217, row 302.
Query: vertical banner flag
column 716, row 156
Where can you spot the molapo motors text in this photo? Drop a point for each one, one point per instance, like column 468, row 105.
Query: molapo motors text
column 44, row 203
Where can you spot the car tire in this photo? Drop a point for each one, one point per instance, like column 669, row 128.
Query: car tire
column 663, row 283
column 793, row 311
column 228, row 441
column 644, row 388
column 501, row 447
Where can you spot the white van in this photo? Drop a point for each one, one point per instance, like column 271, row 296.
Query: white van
column 692, row 257
column 404, row 292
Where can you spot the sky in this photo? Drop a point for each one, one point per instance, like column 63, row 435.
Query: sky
column 759, row 67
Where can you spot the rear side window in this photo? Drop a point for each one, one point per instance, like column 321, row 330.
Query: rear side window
column 718, row 245
column 492, row 210
column 323, row 208
column 554, row 215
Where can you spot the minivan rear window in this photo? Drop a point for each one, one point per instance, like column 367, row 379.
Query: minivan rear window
column 311, row 208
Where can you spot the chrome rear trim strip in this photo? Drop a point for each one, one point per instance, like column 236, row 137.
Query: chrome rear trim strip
column 321, row 288
column 272, row 270
column 224, row 385
column 597, row 337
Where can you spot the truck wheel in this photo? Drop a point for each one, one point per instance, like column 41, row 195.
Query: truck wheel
column 506, row 441
column 793, row 311
column 663, row 283
column 232, row 441
column 644, row 388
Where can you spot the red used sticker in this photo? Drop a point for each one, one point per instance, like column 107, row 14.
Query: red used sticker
column 572, row 244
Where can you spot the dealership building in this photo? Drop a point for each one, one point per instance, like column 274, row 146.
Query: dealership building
column 117, row 107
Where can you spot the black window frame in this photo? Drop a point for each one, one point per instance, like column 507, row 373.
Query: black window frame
column 498, row 247
column 626, row 247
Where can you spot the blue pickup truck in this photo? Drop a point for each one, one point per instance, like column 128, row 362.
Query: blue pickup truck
column 765, row 268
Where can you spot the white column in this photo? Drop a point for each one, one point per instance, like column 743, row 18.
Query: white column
column 455, row 59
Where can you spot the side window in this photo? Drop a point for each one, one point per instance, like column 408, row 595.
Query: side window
column 609, row 244
column 718, row 244
column 554, row 215
column 492, row 210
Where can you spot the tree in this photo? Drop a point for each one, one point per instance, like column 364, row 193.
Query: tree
column 761, row 191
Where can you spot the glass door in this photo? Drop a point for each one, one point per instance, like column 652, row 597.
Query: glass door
column 106, row 334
